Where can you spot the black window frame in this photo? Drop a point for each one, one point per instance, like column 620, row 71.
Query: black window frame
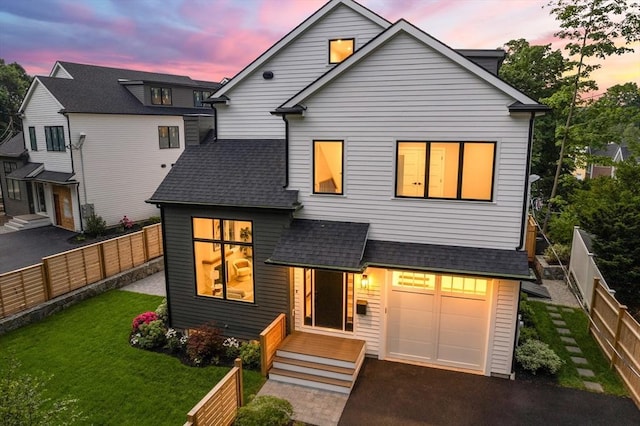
column 32, row 138
column 13, row 190
column 171, row 143
column 313, row 167
column 353, row 49
column 222, row 242
column 199, row 96
column 460, row 170
column 9, row 166
column 54, row 135
column 162, row 90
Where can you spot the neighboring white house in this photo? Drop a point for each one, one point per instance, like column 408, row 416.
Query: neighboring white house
column 100, row 139
column 381, row 180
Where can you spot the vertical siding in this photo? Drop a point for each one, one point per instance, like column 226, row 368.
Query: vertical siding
column 407, row 91
column 503, row 326
column 42, row 110
column 366, row 327
column 294, row 67
column 238, row 319
column 122, row 162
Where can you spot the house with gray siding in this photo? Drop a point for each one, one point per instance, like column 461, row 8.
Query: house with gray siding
column 100, row 140
column 368, row 181
column 15, row 195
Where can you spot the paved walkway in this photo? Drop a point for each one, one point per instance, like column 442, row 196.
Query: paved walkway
column 153, row 284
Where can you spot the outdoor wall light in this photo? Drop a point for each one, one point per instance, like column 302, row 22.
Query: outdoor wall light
column 364, row 281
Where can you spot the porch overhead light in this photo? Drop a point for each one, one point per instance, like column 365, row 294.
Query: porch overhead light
column 364, row 281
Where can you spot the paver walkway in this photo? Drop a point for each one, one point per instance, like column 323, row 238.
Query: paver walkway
column 582, row 364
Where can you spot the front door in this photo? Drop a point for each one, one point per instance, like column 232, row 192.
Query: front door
column 63, row 206
column 329, row 299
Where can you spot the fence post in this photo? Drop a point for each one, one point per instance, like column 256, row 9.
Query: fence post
column 614, row 357
column 596, row 283
column 240, row 389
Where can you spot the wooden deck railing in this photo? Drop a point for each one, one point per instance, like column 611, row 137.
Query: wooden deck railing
column 618, row 334
column 64, row 272
column 270, row 339
column 220, row 406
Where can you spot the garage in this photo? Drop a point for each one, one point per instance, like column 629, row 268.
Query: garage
column 438, row 319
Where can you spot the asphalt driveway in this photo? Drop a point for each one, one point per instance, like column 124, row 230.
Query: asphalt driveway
column 389, row 393
column 28, row 247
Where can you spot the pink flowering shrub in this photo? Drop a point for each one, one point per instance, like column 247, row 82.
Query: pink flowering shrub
column 145, row 318
column 126, row 222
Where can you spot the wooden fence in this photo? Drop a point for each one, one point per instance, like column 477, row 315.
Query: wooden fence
column 530, row 245
column 270, row 339
column 618, row 334
column 220, row 406
column 64, row 272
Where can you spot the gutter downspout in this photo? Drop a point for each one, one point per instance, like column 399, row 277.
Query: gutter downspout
column 286, row 151
column 215, row 122
column 527, row 189
column 73, row 170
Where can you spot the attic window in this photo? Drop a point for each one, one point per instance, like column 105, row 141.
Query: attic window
column 160, row 96
column 340, row 49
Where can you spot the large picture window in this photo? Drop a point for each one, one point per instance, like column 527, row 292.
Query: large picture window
column 449, row 170
column 54, row 136
column 223, row 256
column 327, row 167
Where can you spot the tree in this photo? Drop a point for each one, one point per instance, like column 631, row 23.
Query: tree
column 537, row 71
column 593, row 29
column 14, row 83
column 610, row 210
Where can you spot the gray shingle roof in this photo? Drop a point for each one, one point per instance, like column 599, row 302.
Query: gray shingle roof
column 96, row 89
column 322, row 244
column 243, row 173
column 13, row 147
column 450, row 259
column 23, row 172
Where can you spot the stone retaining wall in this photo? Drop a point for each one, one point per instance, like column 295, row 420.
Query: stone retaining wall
column 59, row 303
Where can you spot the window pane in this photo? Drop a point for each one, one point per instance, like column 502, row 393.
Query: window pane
column 32, row 138
column 339, row 50
column 174, row 138
column 163, row 136
column 237, row 230
column 204, row 228
column 240, row 284
column 414, row 280
column 197, row 98
column 308, row 302
column 327, row 167
column 464, row 285
column 410, row 169
column 156, row 96
column 477, row 171
column 443, row 169
column 166, row 96
column 208, row 264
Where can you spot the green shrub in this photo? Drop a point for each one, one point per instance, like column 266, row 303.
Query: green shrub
column 231, row 347
column 162, row 311
column 562, row 251
column 175, row 340
column 154, row 219
column 534, row 355
column 204, row 344
column 250, row 354
column 151, row 335
column 265, row 410
column 95, row 225
column 527, row 333
column 561, row 227
column 527, row 313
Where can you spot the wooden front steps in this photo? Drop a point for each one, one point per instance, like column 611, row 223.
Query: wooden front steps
column 318, row 361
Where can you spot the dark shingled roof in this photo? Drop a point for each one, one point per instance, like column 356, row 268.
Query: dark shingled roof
column 55, row 177
column 24, row 171
column 96, row 89
column 448, row 259
column 240, row 172
column 13, row 147
column 322, row 244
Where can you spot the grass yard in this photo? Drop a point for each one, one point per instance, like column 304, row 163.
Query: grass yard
column 577, row 321
column 86, row 350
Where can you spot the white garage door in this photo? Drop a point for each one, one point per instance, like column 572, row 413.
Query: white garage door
column 438, row 319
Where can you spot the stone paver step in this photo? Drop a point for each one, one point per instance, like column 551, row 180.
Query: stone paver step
column 579, row 360
column 567, row 339
column 593, row 386
column 555, row 315
column 559, row 323
column 585, row 372
column 564, row 331
column 567, row 310
column 552, row 308
column 573, row 349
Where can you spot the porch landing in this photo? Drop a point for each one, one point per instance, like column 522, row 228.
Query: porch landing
column 318, row 361
column 27, row 221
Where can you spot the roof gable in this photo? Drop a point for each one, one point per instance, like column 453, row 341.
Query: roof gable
column 297, row 32
column 34, row 85
column 405, row 27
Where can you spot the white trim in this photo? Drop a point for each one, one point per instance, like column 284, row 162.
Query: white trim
column 295, row 33
column 57, row 66
column 27, row 97
column 406, row 27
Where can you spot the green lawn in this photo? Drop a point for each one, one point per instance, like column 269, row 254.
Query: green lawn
column 577, row 321
column 86, row 349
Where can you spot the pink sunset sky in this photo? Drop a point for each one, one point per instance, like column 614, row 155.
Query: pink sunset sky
column 212, row 39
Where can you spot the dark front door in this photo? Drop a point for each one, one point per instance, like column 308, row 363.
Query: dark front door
column 329, row 299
